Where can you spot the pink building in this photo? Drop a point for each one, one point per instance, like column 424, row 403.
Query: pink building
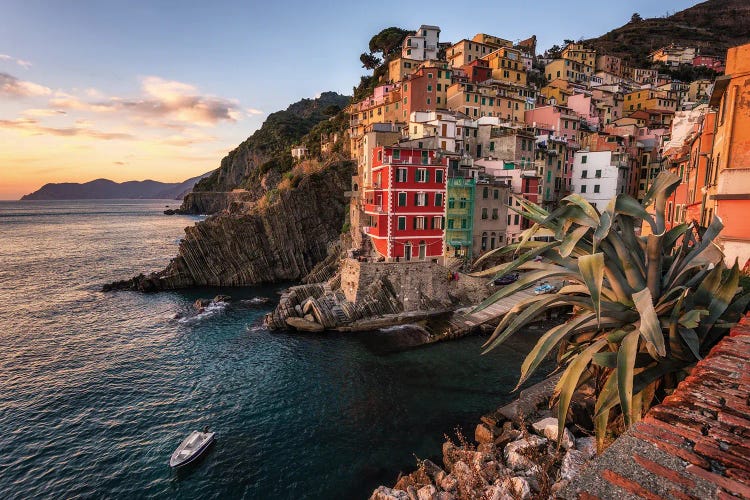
column 713, row 63
column 585, row 107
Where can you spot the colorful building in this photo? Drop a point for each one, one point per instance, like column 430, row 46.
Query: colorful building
column 728, row 186
column 423, row 44
column 404, row 205
column 507, row 66
column 460, row 216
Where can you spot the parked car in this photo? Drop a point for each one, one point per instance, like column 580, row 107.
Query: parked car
column 506, row 280
column 544, row 288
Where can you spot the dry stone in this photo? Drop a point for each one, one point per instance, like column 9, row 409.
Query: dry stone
column 513, row 452
column 587, row 445
column 572, row 463
column 568, row 441
column 428, row 492
column 384, row 493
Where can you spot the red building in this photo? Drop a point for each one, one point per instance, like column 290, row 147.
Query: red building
column 405, row 205
column 478, row 70
column 713, row 63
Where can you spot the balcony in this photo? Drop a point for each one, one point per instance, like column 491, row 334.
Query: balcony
column 373, row 208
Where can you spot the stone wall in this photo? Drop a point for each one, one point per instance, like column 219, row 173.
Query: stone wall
column 412, row 281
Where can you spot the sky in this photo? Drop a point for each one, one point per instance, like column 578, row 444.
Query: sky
column 163, row 90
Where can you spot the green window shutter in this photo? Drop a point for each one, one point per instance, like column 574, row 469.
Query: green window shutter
column 416, row 199
column 427, row 176
column 414, row 220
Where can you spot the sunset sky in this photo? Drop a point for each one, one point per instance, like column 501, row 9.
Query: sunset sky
column 162, row 90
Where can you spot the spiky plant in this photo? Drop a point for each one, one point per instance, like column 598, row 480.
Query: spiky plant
column 646, row 308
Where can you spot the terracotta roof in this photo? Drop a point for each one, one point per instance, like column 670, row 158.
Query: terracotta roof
column 695, row 444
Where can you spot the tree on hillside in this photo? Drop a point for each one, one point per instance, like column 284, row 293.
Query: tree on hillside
column 636, row 18
column 369, row 61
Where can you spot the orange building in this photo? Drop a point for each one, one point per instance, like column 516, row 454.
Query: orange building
column 729, row 177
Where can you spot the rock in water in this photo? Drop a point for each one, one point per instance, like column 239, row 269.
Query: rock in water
column 280, row 242
column 304, row 325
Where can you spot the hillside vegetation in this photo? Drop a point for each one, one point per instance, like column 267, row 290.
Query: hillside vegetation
column 711, row 26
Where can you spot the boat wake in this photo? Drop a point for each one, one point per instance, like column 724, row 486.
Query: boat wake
column 210, row 310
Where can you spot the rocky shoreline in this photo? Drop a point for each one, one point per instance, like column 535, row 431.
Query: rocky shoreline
column 515, row 454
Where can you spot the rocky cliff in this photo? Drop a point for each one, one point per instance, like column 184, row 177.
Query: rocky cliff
column 257, row 164
column 281, row 237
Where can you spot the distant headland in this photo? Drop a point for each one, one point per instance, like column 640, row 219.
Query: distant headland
column 107, row 189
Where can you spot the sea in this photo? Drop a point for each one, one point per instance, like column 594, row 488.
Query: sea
column 98, row 389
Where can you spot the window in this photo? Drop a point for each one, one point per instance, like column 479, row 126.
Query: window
column 583, row 188
column 515, row 219
column 439, row 176
column 402, row 223
column 509, row 217
column 401, row 199
column 429, row 88
column 451, row 202
column 596, row 188
column 428, row 100
column 494, row 214
column 463, row 223
column 492, row 146
column 397, row 154
column 437, row 222
column 420, row 199
column 598, row 174
column 484, row 213
column 583, row 158
column 450, row 223
column 401, row 174
column 485, row 192
column 438, row 199
column 422, row 175
column 419, row 222
column 584, row 174
column 484, row 241
column 462, row 203
column 496, row 194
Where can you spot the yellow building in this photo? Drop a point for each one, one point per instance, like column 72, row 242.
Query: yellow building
column 464, row 97
column 569, row 70
column 499, row 99
column 649, row 99
column 491, row 41
column 465, row 51
column 559, row 90
column 401, row 67
column 578, row 53
column 507, row 66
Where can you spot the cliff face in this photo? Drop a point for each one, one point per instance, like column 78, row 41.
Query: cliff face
column 258, row 162
column 281, row 238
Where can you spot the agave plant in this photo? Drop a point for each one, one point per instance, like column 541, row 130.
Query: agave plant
column 645, row 308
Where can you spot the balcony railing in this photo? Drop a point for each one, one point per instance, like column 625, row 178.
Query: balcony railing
column 371, row 207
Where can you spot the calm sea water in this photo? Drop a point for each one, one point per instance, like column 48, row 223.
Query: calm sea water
column 96, row 390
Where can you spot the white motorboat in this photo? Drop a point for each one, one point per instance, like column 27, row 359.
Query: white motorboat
column 191, row 448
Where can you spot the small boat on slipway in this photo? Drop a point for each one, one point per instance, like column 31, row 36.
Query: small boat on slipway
column 191, row 448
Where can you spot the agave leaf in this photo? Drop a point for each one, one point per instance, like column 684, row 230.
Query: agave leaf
column 663, row 186
column 653, row 269
column 592, row 271
column 707, row 239
column 600, row 430
column 673, row 234
column 545, row 344
column 496, row 252
column 628, row 205
column 527, row 315
column 633, row 272
column 691, row 340
column 571, row 240
column 721, row 299
column 522, row 282
column 609, row 359
column 650, row 327
column 584, row 204
column 568, row 383
column 692, row 318
column 625, row 366
column 608, row 396
column 605, row 222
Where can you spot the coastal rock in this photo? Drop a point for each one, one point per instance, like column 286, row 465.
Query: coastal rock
column 304, row 325
column 222, row 298
column 541, row 425
column 509, row 434
column 520, row 487
column 384, row 493
column 497, row 492
column 428, row 492
column 515, row 452
column 199, row 304
column 447, row 482
column 567, row 442
column 444, row 495
column 587, row 445
column 572, row 463
column 281, row 241
column 486, row 433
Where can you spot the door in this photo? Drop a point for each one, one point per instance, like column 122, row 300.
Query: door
column 422, row 250
column 407, row 251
